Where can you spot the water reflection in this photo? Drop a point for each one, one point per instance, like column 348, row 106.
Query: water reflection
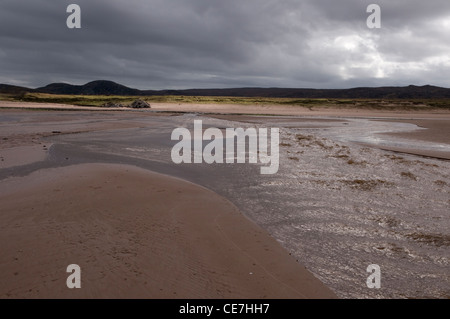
column 368, row 132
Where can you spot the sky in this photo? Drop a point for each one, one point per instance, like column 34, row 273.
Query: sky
column 181, row 44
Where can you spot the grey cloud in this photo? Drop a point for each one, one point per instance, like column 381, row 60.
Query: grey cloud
column 213, row 43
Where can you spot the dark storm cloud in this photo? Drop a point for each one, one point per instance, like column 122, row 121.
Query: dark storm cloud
column 216, row 43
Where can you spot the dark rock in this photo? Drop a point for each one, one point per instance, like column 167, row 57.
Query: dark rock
column 139, row 104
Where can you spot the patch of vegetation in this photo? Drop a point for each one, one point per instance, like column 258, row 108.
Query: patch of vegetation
column 353, row 162
column 8, row 97
column 430, row 239
column 399, row 159
column 285, row 144
column 409, row 175
column 342, row 156
column 308, row 140
column 80, row 100
column 366, row 185
column 301, row 137
column 371, row 104
column 440, row 183
column 394, row 157
column 322, row 144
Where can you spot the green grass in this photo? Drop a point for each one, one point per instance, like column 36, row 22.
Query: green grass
column 369, row 104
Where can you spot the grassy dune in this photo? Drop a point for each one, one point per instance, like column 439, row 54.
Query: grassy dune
column 98, row 100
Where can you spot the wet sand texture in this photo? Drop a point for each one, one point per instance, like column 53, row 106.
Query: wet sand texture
column 136, row 234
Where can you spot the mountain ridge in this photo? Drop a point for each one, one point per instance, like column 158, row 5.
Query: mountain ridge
column 104, row 87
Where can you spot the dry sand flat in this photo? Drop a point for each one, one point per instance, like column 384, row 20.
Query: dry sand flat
column 136, row 234
column 239, row 109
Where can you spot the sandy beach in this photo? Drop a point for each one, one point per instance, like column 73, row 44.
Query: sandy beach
column 93, row 188
column 236, row 109
column 136, row 234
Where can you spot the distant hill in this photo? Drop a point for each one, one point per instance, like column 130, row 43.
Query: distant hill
column 91, row 88
column 112, row 88
column 409, row 92
column 13, row 89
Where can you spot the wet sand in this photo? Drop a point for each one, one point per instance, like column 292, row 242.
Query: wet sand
column 436, row 130
column 136, row 234
column 22, row 155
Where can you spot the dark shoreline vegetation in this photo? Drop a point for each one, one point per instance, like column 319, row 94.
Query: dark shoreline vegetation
column 310, row 103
